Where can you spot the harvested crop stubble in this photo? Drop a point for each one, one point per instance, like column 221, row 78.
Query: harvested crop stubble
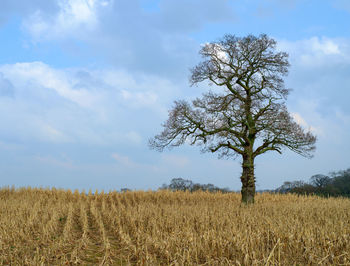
column 56, row 227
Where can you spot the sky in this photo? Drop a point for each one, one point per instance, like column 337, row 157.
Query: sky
column 84, row 84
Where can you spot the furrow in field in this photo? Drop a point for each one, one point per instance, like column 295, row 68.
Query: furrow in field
column 91, row 236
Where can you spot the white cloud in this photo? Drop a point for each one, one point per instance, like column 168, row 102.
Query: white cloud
column 36, row 25
column 124, row 35
column 330, row 127
column 319, row 100
column 301, row 121
column 297, row 118
column 72, row 17
column 325, row 45
column 317, row 52
column 81, row 105
column 320, row 71
column 41, row 75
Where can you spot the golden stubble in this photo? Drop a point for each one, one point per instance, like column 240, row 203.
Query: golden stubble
column 56, row 227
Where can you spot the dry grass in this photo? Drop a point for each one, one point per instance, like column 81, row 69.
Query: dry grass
column 56, row 227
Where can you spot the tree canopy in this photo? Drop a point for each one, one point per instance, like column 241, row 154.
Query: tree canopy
column 246, row 114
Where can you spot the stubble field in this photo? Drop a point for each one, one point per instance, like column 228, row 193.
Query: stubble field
column 57, row 227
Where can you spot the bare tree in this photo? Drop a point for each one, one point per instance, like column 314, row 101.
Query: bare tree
column 320, row 180
column 246, row 115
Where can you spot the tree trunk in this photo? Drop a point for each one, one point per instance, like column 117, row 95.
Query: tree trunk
column 248, row 179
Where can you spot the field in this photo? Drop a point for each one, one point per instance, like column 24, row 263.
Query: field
column 57, row 227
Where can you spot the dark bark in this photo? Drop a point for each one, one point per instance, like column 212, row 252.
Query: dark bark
column 248, row 179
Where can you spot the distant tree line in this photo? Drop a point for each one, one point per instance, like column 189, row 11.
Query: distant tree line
column 180, row 184
column 335, row 185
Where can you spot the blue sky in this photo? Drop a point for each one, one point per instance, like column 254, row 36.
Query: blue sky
column 85, row 83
